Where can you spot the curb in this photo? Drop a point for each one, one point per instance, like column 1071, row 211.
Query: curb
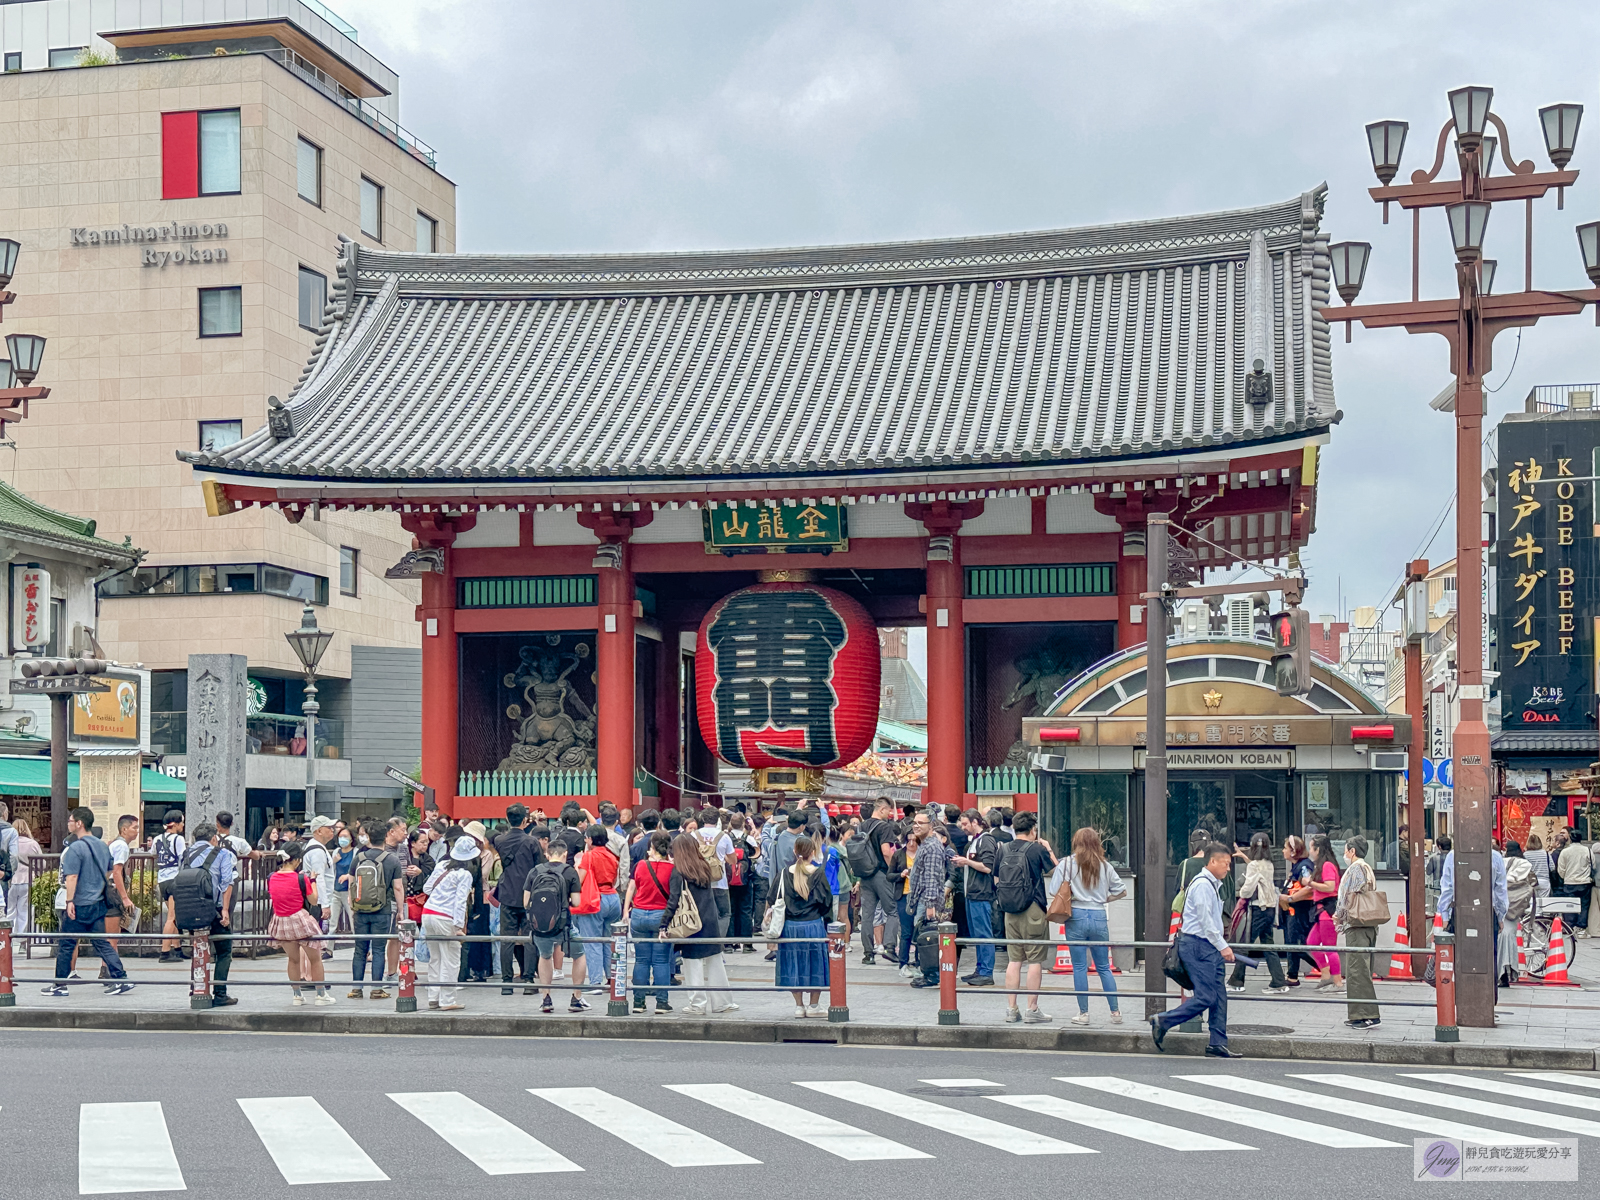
column 931, row 1037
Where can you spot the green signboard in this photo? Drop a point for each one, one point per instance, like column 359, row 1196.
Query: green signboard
column 808, row 529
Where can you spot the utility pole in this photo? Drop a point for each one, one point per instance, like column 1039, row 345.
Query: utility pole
column 1416, row 629
column 1153, row 869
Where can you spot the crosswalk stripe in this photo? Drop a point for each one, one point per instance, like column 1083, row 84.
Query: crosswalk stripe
column 959, row 1083
column 1500, row 1087
column 1375, row 1113
column 947, row 1120
column 125, row 1148
column 488, row 1139
column 307, row 1144
column 1137, row 1128
column 1219, row 1110
column 1466, row 1104
column 1558, row 1077
column 674, row 1144
column 837, row 1138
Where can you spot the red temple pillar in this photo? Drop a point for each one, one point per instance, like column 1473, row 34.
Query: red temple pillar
column 441, row 662
column 947, row 648
column 614, row 655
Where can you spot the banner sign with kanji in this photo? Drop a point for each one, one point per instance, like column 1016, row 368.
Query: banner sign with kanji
column 30, row 607
column 819, row 528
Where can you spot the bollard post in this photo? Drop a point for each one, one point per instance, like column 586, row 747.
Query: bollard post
column 838, row 999
column 1444, row 985
column 405, row 999
column 949, row 1014
column 8, row 996
column 200, row 971
column 617, row 1005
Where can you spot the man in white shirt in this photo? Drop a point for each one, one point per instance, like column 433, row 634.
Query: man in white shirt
column 169, row 849
column 710, row 832
column 319, row 862
column 1204, row 951
column 1576, row 870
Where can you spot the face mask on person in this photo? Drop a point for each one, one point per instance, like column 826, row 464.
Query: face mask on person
column 344, row 840
column 364, row 840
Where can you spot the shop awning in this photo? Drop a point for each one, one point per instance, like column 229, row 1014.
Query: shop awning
column 29, row 775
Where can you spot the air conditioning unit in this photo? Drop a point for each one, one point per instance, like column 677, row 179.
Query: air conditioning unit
column 1388, row 760
column 1053, row 763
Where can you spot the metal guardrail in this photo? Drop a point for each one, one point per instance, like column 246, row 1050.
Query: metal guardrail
column 200, row 983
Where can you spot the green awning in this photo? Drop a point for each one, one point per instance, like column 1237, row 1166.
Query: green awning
column 29, row 775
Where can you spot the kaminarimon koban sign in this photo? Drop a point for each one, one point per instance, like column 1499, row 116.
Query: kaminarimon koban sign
column 787, row 675
column 169, row 243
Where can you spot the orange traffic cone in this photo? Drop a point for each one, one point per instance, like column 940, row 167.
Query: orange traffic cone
column 1177, row 924
column 1063, row 962
column 1400, row 964
column 1555, row 963
column 1522, row 957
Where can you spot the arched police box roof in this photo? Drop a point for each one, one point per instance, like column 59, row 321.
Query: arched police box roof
column 1215, row 677
column 926, row 361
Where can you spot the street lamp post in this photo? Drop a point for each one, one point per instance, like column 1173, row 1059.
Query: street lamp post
column 310, row 644
column 1469, row 322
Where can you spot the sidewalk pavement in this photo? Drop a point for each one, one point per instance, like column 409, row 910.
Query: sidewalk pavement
column 883, row 1008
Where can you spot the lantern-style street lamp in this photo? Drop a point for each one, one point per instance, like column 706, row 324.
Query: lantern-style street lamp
column 26, row 349
column 1469, row 321
column 310, row 644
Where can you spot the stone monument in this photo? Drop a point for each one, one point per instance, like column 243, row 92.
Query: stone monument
column 218, row 703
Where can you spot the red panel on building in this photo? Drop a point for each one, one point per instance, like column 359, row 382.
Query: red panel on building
column 180, row 155
column 787, row 674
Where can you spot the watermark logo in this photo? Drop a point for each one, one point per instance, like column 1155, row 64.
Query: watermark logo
column 1436, row 1160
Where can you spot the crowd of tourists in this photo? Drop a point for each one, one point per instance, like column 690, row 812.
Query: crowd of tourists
column 697, row 885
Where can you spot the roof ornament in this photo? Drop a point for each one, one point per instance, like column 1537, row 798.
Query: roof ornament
column 1258, row 324
column 415, row 563
column 279, row 423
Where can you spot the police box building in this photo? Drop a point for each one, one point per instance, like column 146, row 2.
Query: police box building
column 662, row 502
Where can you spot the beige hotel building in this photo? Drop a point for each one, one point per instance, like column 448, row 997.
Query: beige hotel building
column 180, row 192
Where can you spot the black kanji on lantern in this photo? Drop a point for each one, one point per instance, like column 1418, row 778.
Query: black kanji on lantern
column 774, row 664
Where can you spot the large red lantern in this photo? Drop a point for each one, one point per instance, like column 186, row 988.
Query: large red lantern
column 786, row 675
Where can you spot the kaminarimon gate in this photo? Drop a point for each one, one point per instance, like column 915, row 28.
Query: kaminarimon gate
column 660, row 500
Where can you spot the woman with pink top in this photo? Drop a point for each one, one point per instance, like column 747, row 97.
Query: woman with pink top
column 1325, row 879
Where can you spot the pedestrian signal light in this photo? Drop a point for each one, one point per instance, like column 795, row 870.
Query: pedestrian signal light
column 1291, row 652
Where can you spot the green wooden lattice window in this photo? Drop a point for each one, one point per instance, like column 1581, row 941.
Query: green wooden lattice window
column 526, row 591
column 1078, row 579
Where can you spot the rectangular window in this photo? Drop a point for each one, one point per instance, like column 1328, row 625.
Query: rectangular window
column 219, row 152
column 313, row 297
column 308, row 171
column 221, row 312
column 427, row 234
column 349, row 560
column 14, row 61
column 371, row 209
column 209, row 580
column 66, row 56
column 199, row 154
column 219, row 435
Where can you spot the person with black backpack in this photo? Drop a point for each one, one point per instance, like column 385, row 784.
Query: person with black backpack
column 870, row 851
column 202, row 898
column 553, row 888
column 976, row 865
column 169, row 848
column 1019, row 887
column 376, row 893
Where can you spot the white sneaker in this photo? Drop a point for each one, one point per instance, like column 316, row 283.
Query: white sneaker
column 816, row 1010
column 1278, row 991
column 298, row 1000
column 1116, row 1018
column 1236, row 988
column 1034, row 1016
column 800, row 1012
column 726, row 1008
column 1081, row 1019
column 325, row 1000
column 908, row 972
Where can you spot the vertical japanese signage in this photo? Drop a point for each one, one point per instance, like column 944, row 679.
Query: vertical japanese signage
column 1546, row 571
column 30, row 607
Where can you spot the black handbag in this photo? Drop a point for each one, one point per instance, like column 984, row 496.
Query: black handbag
column 1172, row 967
column 314, row 909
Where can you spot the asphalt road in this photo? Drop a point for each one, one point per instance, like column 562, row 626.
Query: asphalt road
column 267, row 1116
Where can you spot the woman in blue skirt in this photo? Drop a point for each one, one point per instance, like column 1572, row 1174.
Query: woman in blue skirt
column 807, row 901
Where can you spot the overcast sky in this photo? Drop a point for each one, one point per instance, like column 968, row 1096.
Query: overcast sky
column 660, row 125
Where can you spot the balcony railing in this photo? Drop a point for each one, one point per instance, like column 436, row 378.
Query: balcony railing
column 1560, row 397
column 265, row 733
column 330, row 87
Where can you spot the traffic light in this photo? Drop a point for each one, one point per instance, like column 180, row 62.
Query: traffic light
column 1291, row 652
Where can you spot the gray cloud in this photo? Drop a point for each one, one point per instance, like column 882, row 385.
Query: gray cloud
column 619, row 126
